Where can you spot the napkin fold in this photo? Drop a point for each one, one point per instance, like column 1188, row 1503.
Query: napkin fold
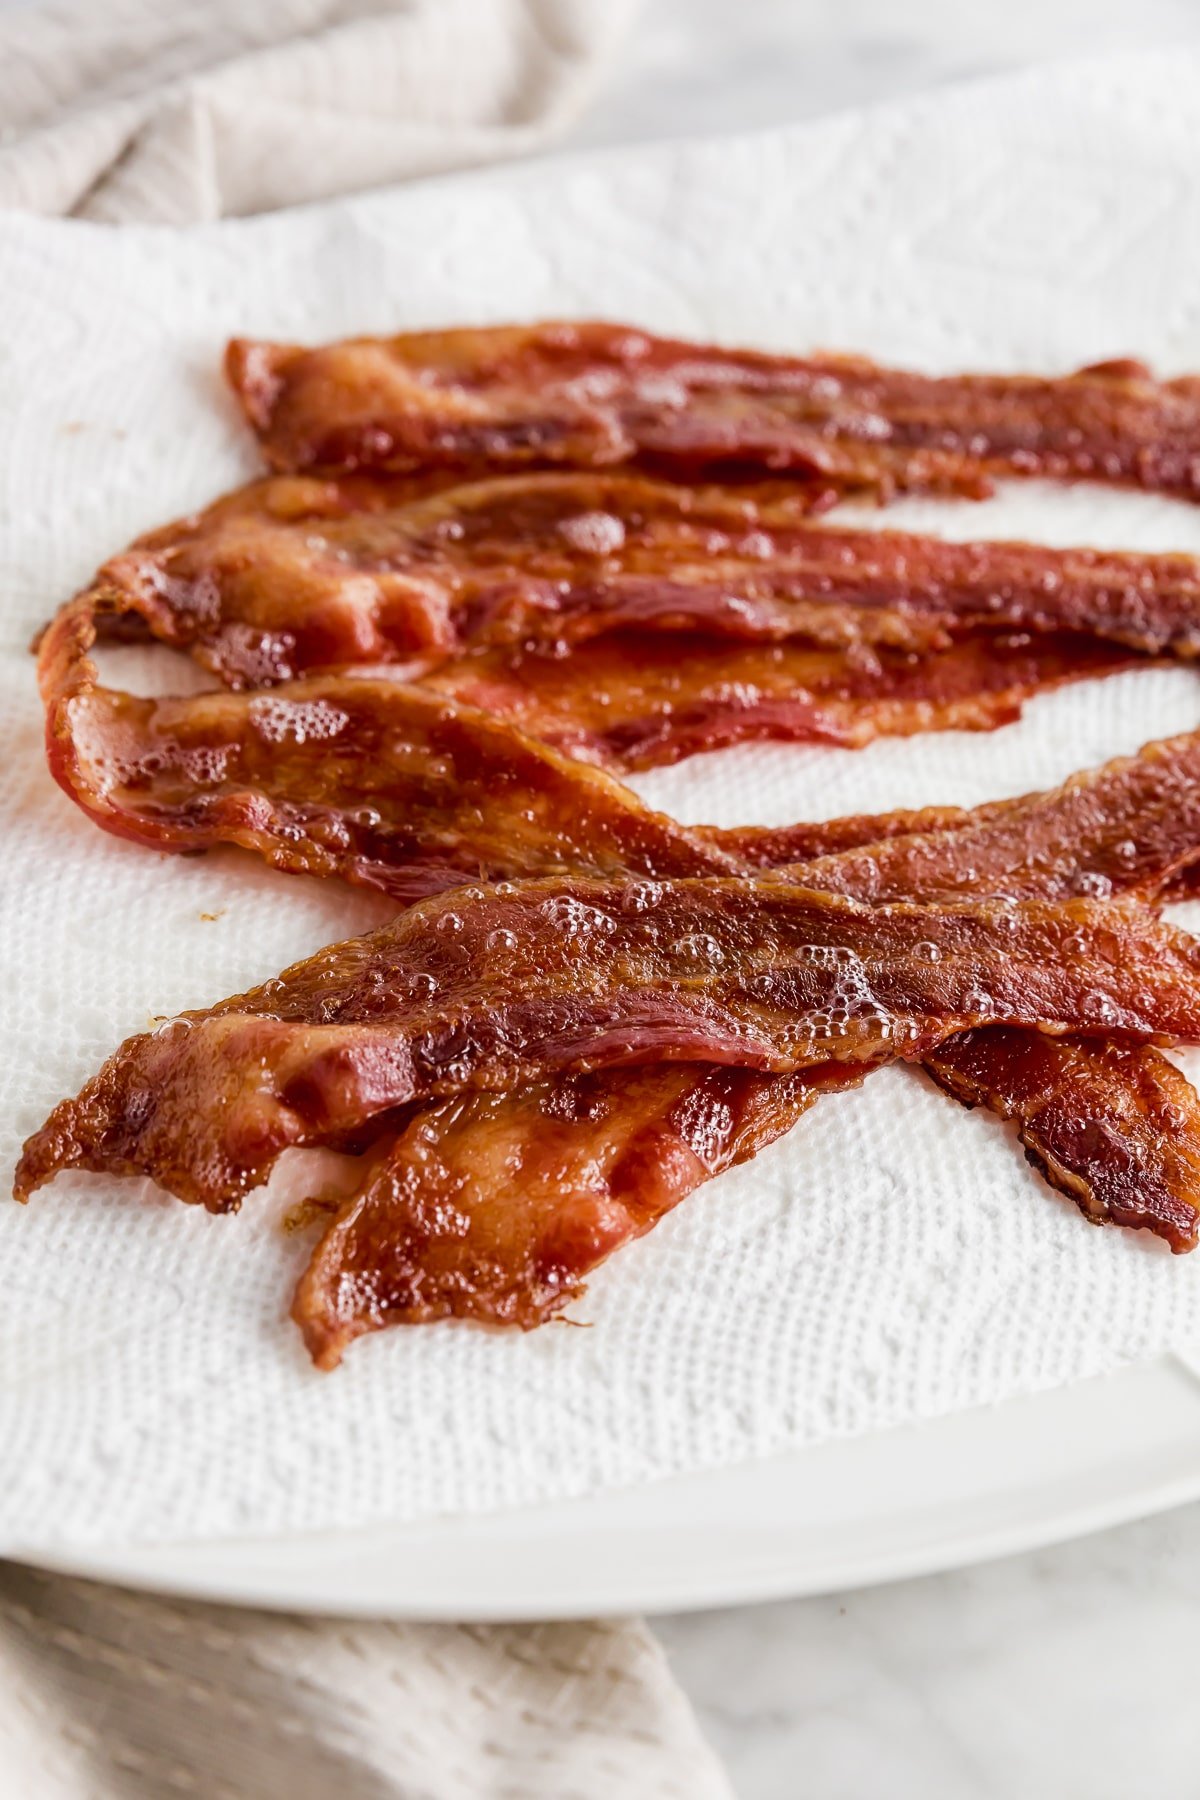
column 173, row 114
column 110, row 1695
column 170, row 115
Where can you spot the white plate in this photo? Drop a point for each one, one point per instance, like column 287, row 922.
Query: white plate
column 895, row 1260
column 978, row 1484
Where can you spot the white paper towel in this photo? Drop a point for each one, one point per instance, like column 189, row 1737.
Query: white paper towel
column 894, row 1258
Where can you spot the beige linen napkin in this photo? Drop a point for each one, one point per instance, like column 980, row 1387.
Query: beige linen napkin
column 157, row 112
column 110, row 1695
column 137, row 110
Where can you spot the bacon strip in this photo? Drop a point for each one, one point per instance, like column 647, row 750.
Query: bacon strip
column 628, row 704
column 595, row 394
column 459, row 1216
column 288, row 576
column 494, row 1206
column 1130, row 827
column 407, row 789
column 1116, row 1128
column 382, row 783
column 504, row 986
column 442, row 794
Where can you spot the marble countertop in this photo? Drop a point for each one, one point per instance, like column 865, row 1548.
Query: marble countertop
column 1053, row 1676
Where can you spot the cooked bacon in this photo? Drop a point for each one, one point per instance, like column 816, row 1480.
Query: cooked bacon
column 408, row 789
column 377, row 781
column 776, row 846
column 459, row 1214
column 504, row 986
column 1116, row 1128
column 640, row 703
column 442, row 793
column 594, row 394
column 289, row 575
column 494, row 1207
column 1130, row 827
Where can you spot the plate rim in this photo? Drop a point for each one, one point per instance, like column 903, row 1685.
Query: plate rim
column 1078, row 1459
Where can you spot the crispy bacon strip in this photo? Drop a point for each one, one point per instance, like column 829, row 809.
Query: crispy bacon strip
column 460, row 1213
column 1129, row 827
column 382, row 783
column 443, row 793
column 504, row 986
column 629, row 704
column 290, row 575
column 1116, row 1128
column 494, row 1206
column 595, row 394
column 407, row 789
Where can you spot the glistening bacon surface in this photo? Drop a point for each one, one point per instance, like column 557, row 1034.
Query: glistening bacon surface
column 405, row 787
column 408, row 789
column 379, row 782
column 640, row 703
column 291, row 575
column 444, row 793
column 1129, row 827
column 1116, row 1128
column 494, row 1207
column 460, row 1215
column 504, row 986
column 596, row 394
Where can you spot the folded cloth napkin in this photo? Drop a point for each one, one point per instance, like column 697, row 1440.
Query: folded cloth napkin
column 148, row 111
column 138, row 111
column 108, row 1695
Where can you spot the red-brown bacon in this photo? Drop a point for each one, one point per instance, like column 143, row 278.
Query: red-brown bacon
column 1130, row 827
column 498, row 987
column 494, row 1207
column 638, row 704
column 442, row 794
column 595, row 394
column 408, row 789
column 460, row 1215
column 371, row 777
column 1114, row 1127
column 376, row 781
column 289, row 575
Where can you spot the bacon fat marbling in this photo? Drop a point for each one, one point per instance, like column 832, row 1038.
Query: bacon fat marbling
column 595, row 394
column 289, row 575
column 459, row 1215
column 498, row 987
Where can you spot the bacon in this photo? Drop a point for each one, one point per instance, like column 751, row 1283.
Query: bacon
column 450, row 794
column 381, row 783
column 776, row 846
column 411, row 787
column 595, row 394
column 288, row 576
column 1131, row 827
column 408, row 789
column 640, row 703
column 445, row 1225
column 505, row 986
column 493, row 1207
column 1115, row 1128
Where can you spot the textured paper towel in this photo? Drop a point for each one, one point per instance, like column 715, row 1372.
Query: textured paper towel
column 894, row 1258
